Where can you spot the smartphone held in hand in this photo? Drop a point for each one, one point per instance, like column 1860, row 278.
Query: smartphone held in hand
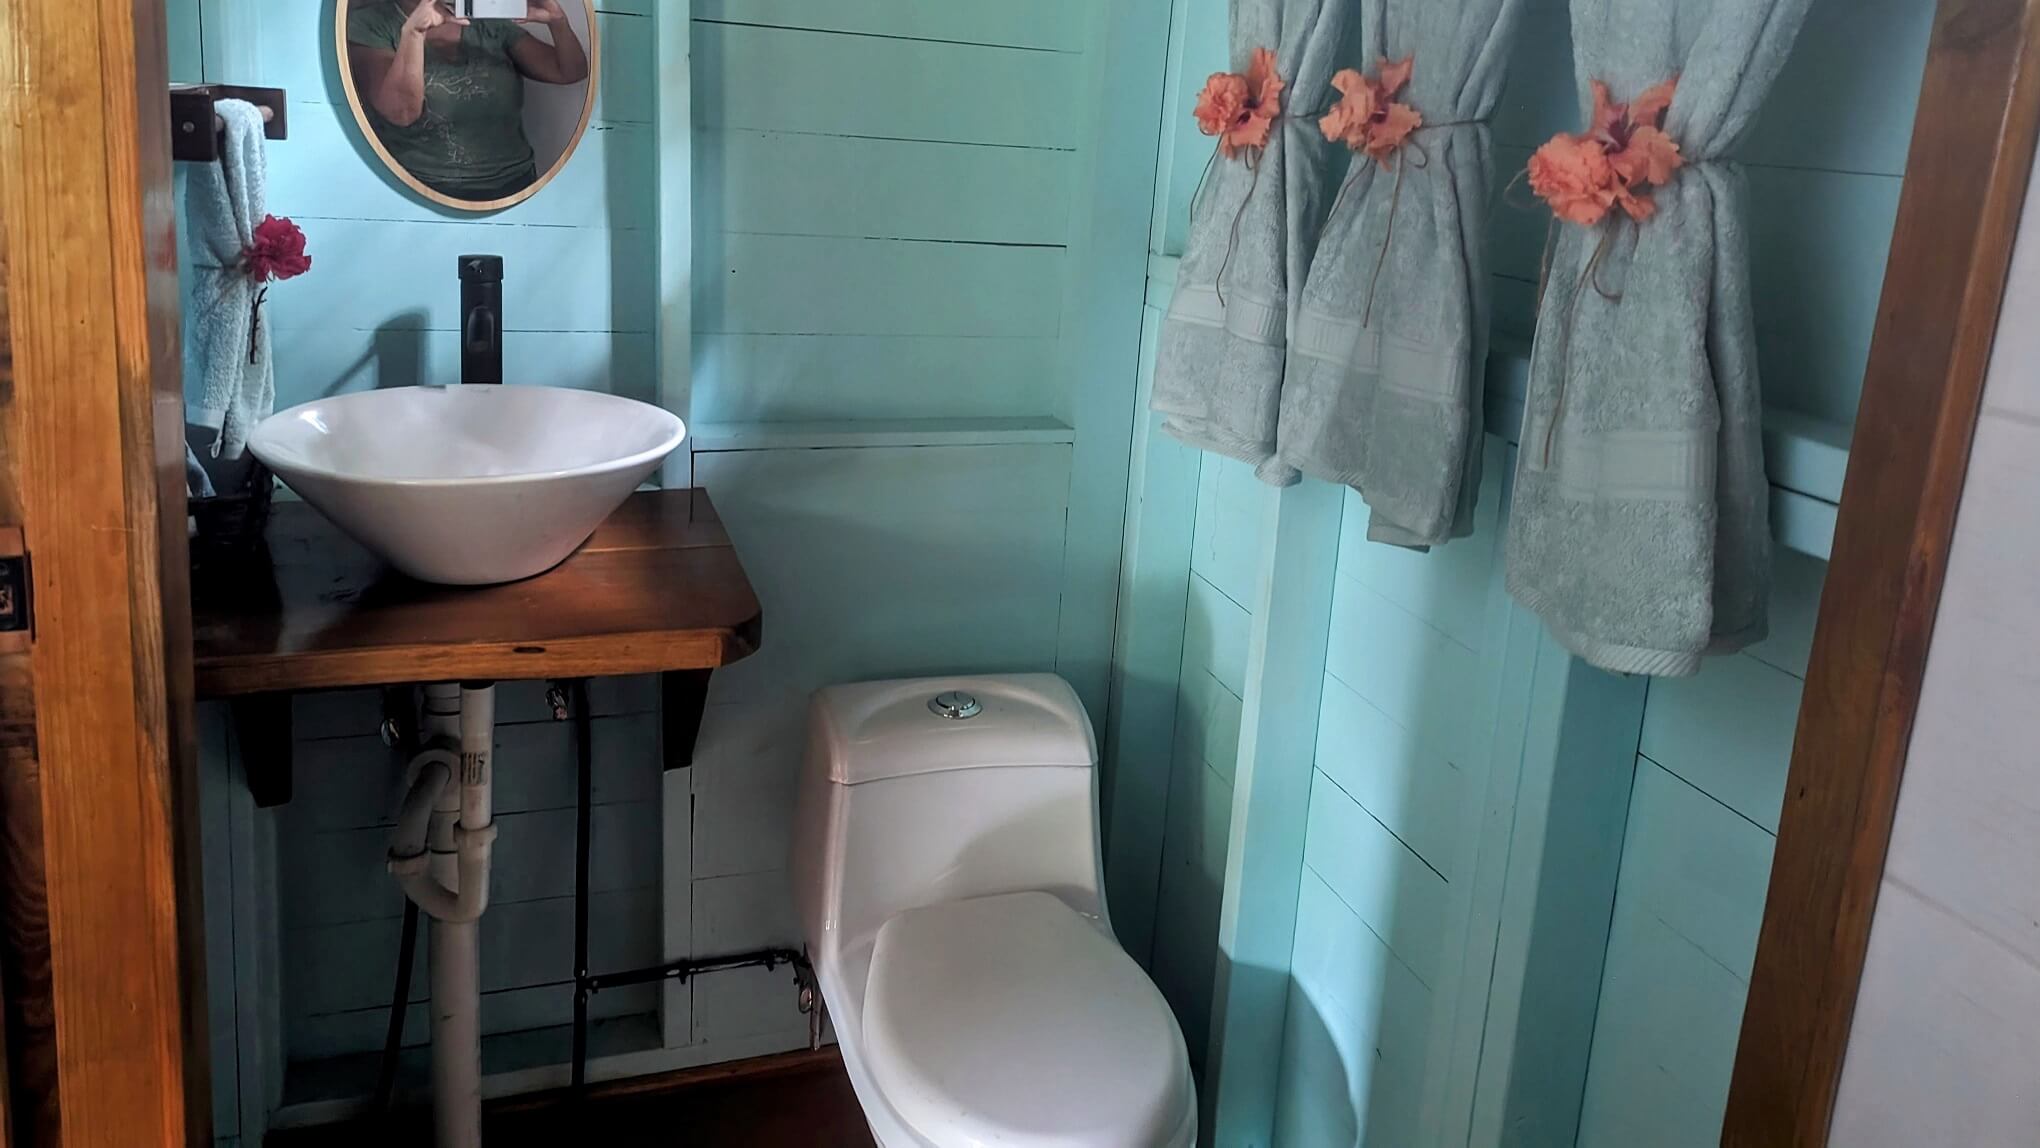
column 491, row 9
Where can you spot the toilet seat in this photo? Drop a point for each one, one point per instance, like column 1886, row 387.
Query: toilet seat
column 1013, row 1020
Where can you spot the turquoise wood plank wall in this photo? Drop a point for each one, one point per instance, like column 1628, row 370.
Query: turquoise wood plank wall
column 1826, row 161
column 900, row 224
column 1422, row 677
column 379, row 311
column 903, row 242
column 1233, row 510
column 1710, row 779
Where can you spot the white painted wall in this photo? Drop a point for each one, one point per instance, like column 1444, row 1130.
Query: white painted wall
column 1946, row 1046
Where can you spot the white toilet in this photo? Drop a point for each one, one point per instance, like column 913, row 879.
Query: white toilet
column 947, row 869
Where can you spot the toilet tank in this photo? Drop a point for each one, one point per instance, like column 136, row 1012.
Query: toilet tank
column 902, row 805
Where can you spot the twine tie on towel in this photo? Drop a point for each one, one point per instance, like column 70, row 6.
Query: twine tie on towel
column 1394, row 202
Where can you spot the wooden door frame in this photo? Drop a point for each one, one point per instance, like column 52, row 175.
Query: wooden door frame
column 1966, row 179
column 92, row 415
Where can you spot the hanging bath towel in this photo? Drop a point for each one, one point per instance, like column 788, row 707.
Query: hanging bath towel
column 1383, row 392
column 1639, row 526
column 1218, row 377
column 229, row 383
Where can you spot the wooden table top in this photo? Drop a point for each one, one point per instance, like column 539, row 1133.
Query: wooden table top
column 657, row 588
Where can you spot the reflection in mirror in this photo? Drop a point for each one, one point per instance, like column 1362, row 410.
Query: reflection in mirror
column 475, row 112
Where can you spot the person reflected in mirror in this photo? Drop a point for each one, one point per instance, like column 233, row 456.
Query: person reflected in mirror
column 446, row 95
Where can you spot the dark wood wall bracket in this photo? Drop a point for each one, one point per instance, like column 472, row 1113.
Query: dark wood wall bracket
column 195, row 125
column 262, row 733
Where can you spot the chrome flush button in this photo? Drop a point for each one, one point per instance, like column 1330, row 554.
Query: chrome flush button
column 954, row 705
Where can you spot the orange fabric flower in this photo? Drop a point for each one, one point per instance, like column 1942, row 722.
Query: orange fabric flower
column 1651, row 158
column 1349, row 119
column 1573, row 175
column 1222, row 103
column 1615, row 163
column 1397, row 122
column 1367, row 118
column 1241, row 109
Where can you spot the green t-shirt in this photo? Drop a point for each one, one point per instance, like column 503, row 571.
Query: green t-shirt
column 470, row 141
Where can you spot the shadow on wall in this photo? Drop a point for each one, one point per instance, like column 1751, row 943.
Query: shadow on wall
column 394, row 357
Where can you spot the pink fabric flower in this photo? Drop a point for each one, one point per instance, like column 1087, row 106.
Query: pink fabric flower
column 1241, row 109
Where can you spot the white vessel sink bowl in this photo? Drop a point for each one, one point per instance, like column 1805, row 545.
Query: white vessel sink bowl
column 468, row 485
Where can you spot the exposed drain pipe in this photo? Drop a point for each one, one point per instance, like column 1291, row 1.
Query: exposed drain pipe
column 439, row 855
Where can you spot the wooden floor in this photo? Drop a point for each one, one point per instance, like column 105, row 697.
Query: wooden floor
column 800, row 1099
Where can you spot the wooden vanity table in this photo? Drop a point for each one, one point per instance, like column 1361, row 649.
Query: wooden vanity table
column 657, row 589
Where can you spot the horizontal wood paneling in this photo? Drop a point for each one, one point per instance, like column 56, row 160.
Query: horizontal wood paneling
column 1358, row 1032
column 779, row 378
column 1047, row 24
column 1447, row 588
column 1215, row 634
column 1208, row 722
column 360, row 1033
column 717, row 438
column 1233, row 512
column 1191, row 893
column 339, row 912
column 536, row 861
column 352, row 782
column 743, row 786
column 323, row 361
column 341, row 976
column 1409, row 670
column 598, row 190
column 1389, row 888
column 1818, row 242
column 1402, row 777
column 290, row 46
column 1685, row 931
column 776, row 79
column 936, row 558
column 796, row 285
column 766, row 182
column 1855, row 62
column 410, row 282
column 1197, row 48
column 1728, row 731
column 1796, row 584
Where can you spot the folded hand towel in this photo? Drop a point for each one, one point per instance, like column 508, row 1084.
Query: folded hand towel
column 227, row 360
column 1641, row 533
column 1218, row 377
column 1383, row 391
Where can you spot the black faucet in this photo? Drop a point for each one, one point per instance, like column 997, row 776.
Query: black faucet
column 481, row 318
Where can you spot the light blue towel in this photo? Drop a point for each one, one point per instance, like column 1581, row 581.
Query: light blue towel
column 229, row 384
column 1253, row 227
column 1384, row 386
column 1639, row 523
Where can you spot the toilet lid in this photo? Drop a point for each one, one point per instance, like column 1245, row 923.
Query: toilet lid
column 1012, row 1020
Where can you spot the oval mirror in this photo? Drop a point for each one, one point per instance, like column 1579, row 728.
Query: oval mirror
column 475, row 104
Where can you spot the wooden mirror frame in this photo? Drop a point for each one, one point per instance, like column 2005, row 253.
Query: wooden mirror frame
column 1951, row 250
column 403, row 174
